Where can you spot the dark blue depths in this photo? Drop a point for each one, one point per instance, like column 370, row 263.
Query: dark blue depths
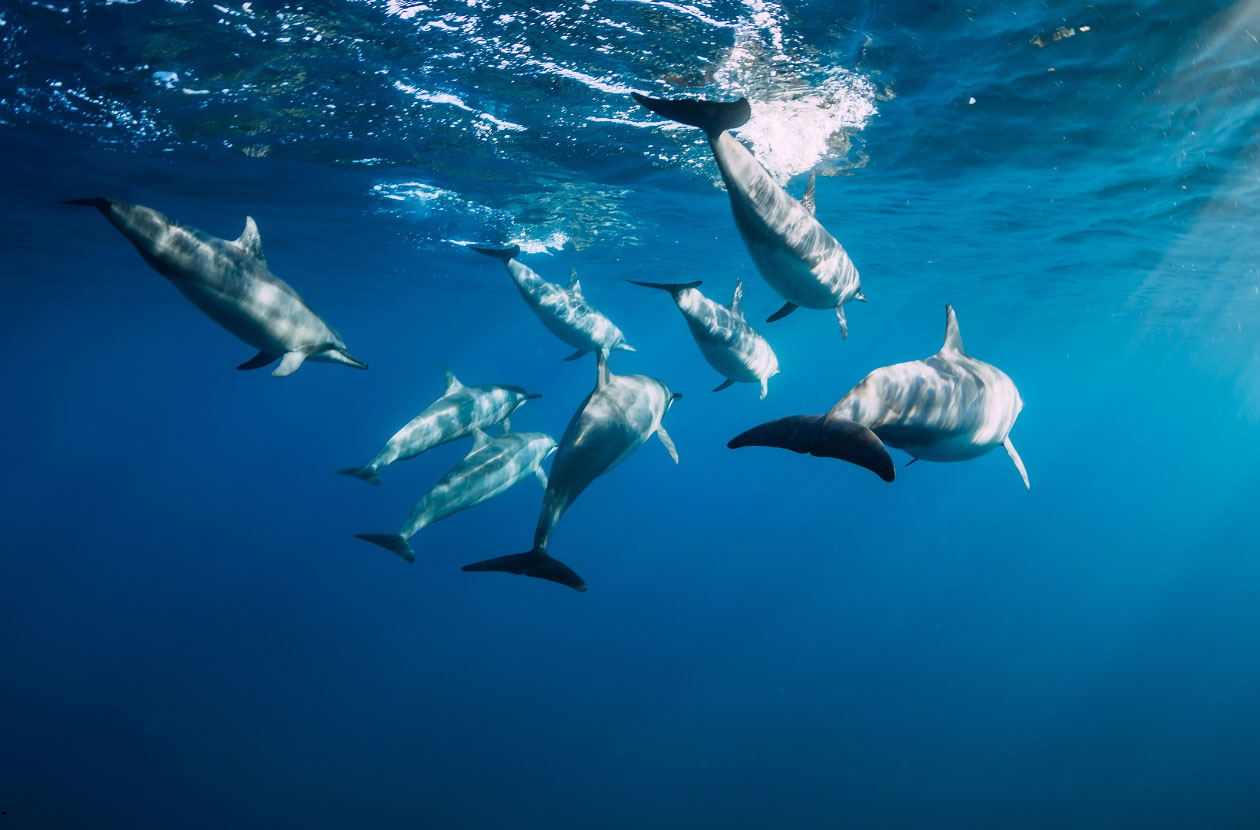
column 190, row 635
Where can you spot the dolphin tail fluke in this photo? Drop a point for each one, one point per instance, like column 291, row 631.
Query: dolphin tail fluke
column 535, row 563
column 98, row 203
column 671, row 287
column 505, row 254
column 824, row 437
column 390, row 542
column 711, row 116
column 362, row 473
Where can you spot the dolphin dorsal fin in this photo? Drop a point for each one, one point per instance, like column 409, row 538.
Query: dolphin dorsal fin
column 480, row 439
column 807, row 201
column 601, row 365
column 452, row 382
column 953, row 340
column 737, row 301
column 250, row 240
column 574, row 287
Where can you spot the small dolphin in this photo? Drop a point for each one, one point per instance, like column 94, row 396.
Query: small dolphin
column 726, row 341
column 615, row 419
column 492, row 467
column 230, row 282
column 948, row 407
column 563, row 310
column 792, row 251
column 460, row 411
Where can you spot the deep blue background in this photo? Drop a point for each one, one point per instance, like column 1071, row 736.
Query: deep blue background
column 191, row 637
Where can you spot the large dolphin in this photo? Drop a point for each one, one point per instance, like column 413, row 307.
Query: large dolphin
column 492, row 467
column 459, row 412
column 792, row 251
column 948, row 407
column 726, row 341
column 615, row 419
column 229, row 281
column 562, row 309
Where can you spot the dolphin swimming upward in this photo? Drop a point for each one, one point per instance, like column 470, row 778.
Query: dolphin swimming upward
column 563, row 310
column 615, row 419
column 230, row 282
column 460, row 411
column 492, row 467
column 948, row 407
column 795, row 254
column 726, row 341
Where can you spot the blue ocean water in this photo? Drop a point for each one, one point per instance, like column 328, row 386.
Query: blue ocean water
column 190, row 636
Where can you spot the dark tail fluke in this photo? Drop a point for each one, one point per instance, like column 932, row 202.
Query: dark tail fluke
column 362, row 473
column 824, row 437
column 389, row 541
column 535, row 563
column 671, row 287
column 710, row 116
column 100, row 204
column 505, row 254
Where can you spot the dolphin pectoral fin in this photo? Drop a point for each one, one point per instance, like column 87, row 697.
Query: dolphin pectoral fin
column 710, row 116
column 787, row 309
column 259, row 360
column 824, row 437
column 844, row 325
column 362, row 474
column 535, row 563
column 807, row 201
column 625, row 347
column 338, row 356
column 541, row 475
column 577, row 354
column 860, row 297
column 288, row 364
column 480, row 439
column 765, row 388
column 668, row 442
column 391, row 542
column 726, row 384
column 1019, row 464
column 505, row 426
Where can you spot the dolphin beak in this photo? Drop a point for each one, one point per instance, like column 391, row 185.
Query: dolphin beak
column 530, row 397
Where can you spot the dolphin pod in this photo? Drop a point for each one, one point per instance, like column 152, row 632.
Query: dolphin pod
column 740, row 354
column 493, row 466
column 563, row 310
column 461, row 411
column 230, row 282
column 791, row 250
column 947, row 407
column 619, row 414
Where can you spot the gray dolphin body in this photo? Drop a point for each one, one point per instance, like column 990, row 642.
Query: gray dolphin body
column 740, row 354
column 562, row 309
column 792, row 251
column 492, row 467
column 947, row 407
column 616, row 418
column 460, row 412
column 229, row 281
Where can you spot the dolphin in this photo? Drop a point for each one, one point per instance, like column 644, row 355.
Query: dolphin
column 460, row 411
column 562, row 309
column 726, row 341
column 795, row 254
column 948, row 407
column 616, row 418
column 492, row 467
column 229, row 281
